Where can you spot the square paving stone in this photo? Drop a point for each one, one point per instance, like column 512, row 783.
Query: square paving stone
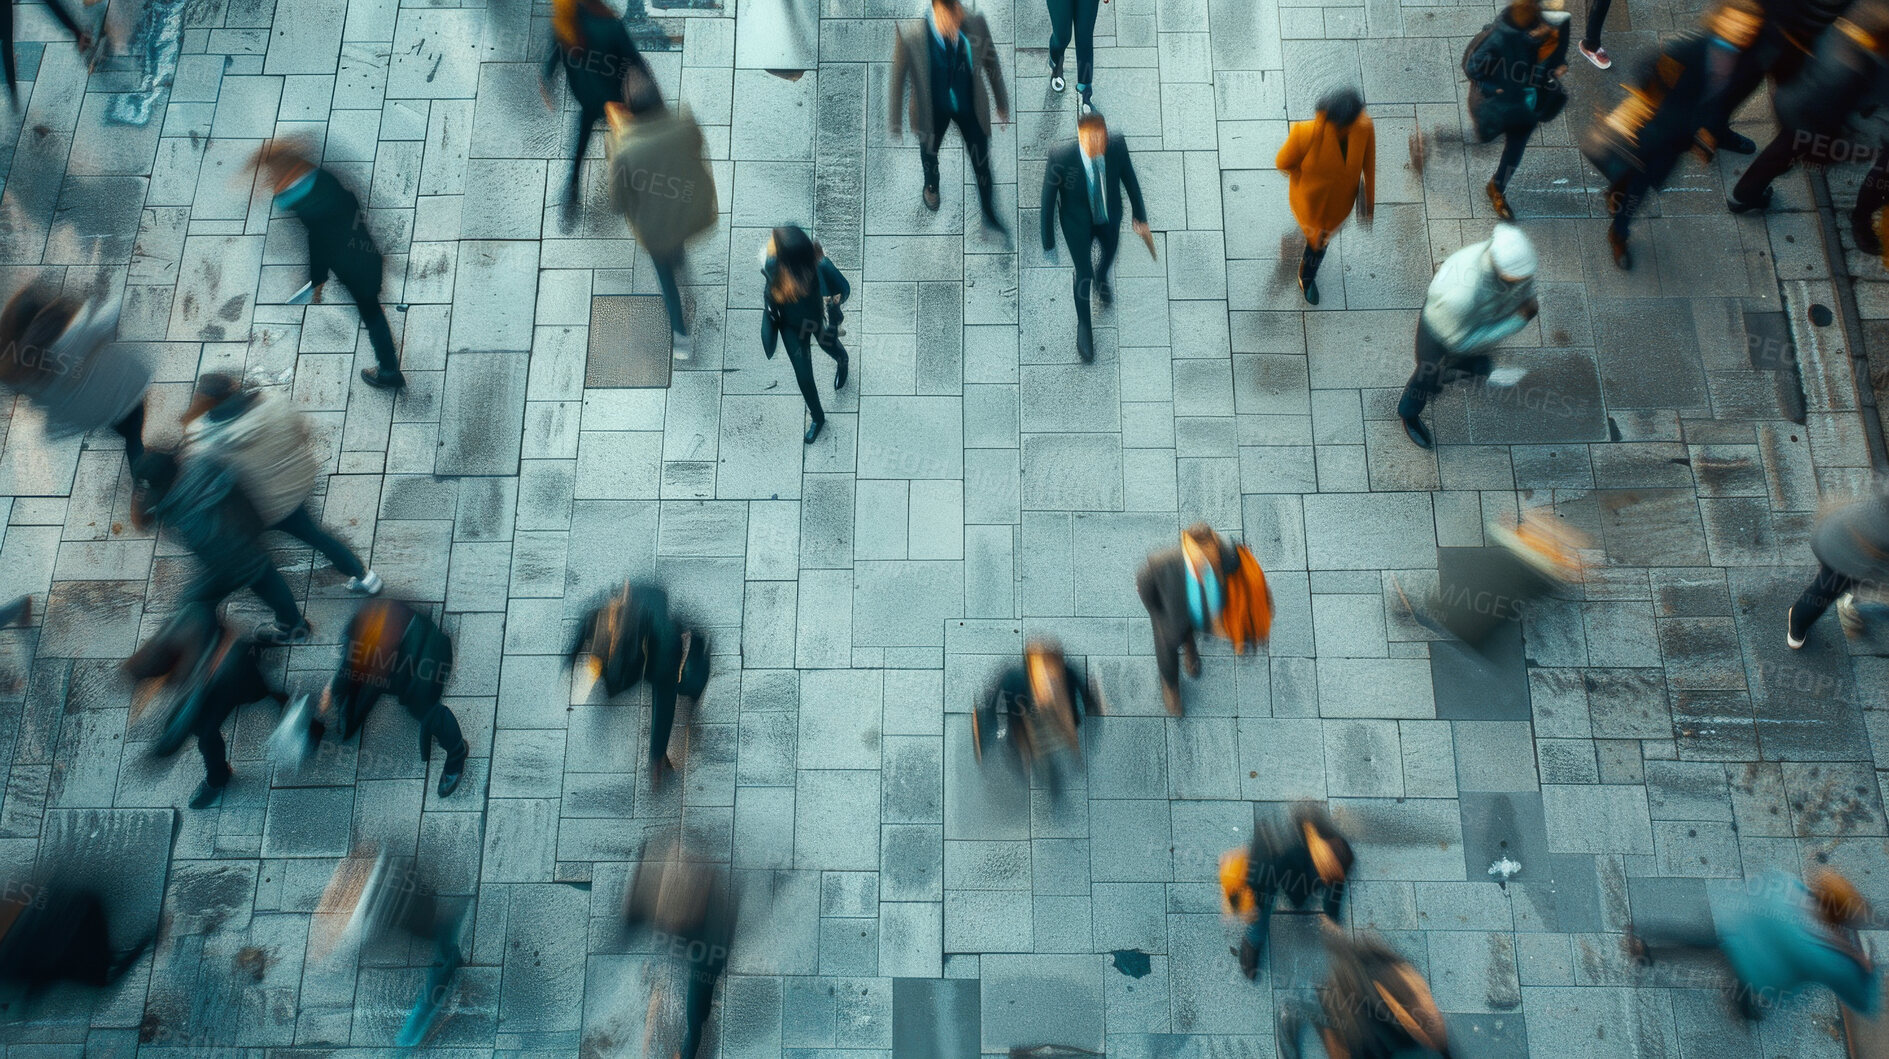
column 935, row 1018
column 1034, row 1000
column 308, row 822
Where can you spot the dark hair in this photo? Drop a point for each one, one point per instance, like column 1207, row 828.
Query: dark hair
column 796, row 264
column 33, row 319
column 1341, row 106
column 217, row 387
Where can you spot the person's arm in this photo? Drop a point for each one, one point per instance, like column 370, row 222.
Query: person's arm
column 550, row 68
column 994, row 70
column 1052, row 183
column 1484, row 334
column 1292, row 152
column 1480, row 60
column 584, row 633
column 836, row 284
column 1137, row 209
column 1370, row 167
column 900, row 69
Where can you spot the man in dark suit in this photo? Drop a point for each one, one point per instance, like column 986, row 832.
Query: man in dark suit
column 1082, row 185
column 945, row 60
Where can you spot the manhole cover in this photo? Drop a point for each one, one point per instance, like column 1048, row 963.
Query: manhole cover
column 629, row 343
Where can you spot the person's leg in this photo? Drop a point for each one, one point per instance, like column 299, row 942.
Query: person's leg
column 1596, row 19
column 928, row 142
column 1772, row 162
column 977, row 146
column 1816, row 598
column 6, row 53
column 671, row 294
column 303, row 527
column 443, row 728
column 64, row 18
column 1086, row 12
column 1265, row 894
column 662, row 719
column 216, row 761
column 1426, row 378
column 274, row 591
column 131, row 428
column 1166, row 651
column 380, row 334
column 696, row 1007
column 1512, row 147
column 1111, row 240
column 1062, row 15
column 1082, row 284
column 18, row 610
column 587, row 119
column 801, row 358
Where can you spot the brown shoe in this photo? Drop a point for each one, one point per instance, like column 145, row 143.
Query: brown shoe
column 1500, row 202
column 931, row 199
column 1623, row 258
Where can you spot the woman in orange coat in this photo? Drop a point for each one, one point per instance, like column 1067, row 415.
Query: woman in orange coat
column 1325, row 160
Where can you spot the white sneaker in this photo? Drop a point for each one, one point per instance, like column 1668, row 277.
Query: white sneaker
column 1852, row 619
column 681, row 346
column 1794, row 642
column 1507, row 375
column 368, row 585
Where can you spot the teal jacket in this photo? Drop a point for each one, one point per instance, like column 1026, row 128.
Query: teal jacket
column 1776, row 944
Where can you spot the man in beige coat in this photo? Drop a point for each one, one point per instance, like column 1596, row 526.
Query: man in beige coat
column 944, row 60
column 661, row 184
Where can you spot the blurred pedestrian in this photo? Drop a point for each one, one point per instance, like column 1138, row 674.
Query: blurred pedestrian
column 632, row 636
column 1208, row 584
column 1077, row 18
column 1781, row 937
column 688, row 904
column 594, row 47
column 57, row 352
column 57, row 928
column 1682, row 100
column 1034, row 710
column 1515, row 66
column 201, row 502
column 1373, row 1005
column 1484, row 293
column 1843, row 74
column 373, row 898
column 1851, row 545
column 661, row 184
column 390, row 648
column 80, row 35
column 157, row 42
column 944, row 61
column 266, row 443
column 338, row 242
column 1330, row 165
column 208, row 670
column 1082, row 190
column 1307, row 861
column 804, row 291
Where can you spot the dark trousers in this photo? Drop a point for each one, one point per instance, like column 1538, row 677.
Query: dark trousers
column 1817, row 597
column 1077, row 17
column 1774, row 161
column 666, row 268
column 1434, row 363
column 267, row 585
column 1625, row 199
column 363, row 286
column 588, row 115
column 697, row 1006
column 216, row 759
column 1596, row 18
column 1309, row 262
column 1173, row 635
column 1512, row 147
column 131, row 428
column 1090, row 277
column 662, row 719
column 801, row 357
column 443, row 727
column 302, row 526
column 976, row 144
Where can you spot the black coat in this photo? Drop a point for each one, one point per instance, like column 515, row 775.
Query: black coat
column 412, row 659
column 1691, row 98
column 596, row 68
column 338, row 239
column 1066, row 192
column 635, row 638
column 810, row 314
column 212, row 671
column 1511, row 88
column 1839, row 76
column 206, row 510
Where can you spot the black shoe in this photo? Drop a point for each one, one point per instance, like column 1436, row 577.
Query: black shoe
column 1085, row 342
column 276, row 634
column 1737, row 143
column 1105, row 292
column 1864, row 230
column 931, row 199
column 1623, row 258
column 206, row 794
column 1419, row 433
column 1738, row 205
column 814, row 431
column 381, row 380
column 839, row 373
column 1308, row 285
column 451, row 774
column 1249, row 960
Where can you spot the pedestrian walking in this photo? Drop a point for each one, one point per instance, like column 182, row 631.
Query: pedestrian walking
column 1306, row 861
column 1851, row 546
column 1814, row 109
column 1373, row 1005
column 57, row 928
column 391, row 648
column 593, row 46
column 949, row 65
column 80, row 35
column 56, row 351
column 1484, row 293
column 1590, row 38
column 804, row 291
column 265, row 442
column 661, row 183
column 339, row 243
column 688, row 904
column 201, row 502
column 209, row 671
column 1074, row 18
column 157, row 42
column 1515, row 66
column 1683, row 99
column 1208, row 584
column 1083, row 183
column 1779, row 938
column 1034, row 711
column 632, row 636
column 1330, row 165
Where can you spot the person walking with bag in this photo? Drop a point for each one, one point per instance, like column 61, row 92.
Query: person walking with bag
column 803, row 298
column 1307, row 861
column 945, row 61
column 1330, row 165
column 631, row 637
column 1207, row 584
column 1074, row 18
column 661, row 184
column 339, row 244
column 265, row 442
column 593, row 46
column 390, row 648
column 1484, row 293
column 1083, row 183
column 1514, row 68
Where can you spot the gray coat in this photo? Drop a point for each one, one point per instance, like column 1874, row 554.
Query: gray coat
column 88, row 382
column 1854, row 541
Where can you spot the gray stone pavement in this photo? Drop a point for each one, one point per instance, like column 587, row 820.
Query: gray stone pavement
column 1646, row 745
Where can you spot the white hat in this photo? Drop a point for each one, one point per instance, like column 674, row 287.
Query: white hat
column 1511, row 253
